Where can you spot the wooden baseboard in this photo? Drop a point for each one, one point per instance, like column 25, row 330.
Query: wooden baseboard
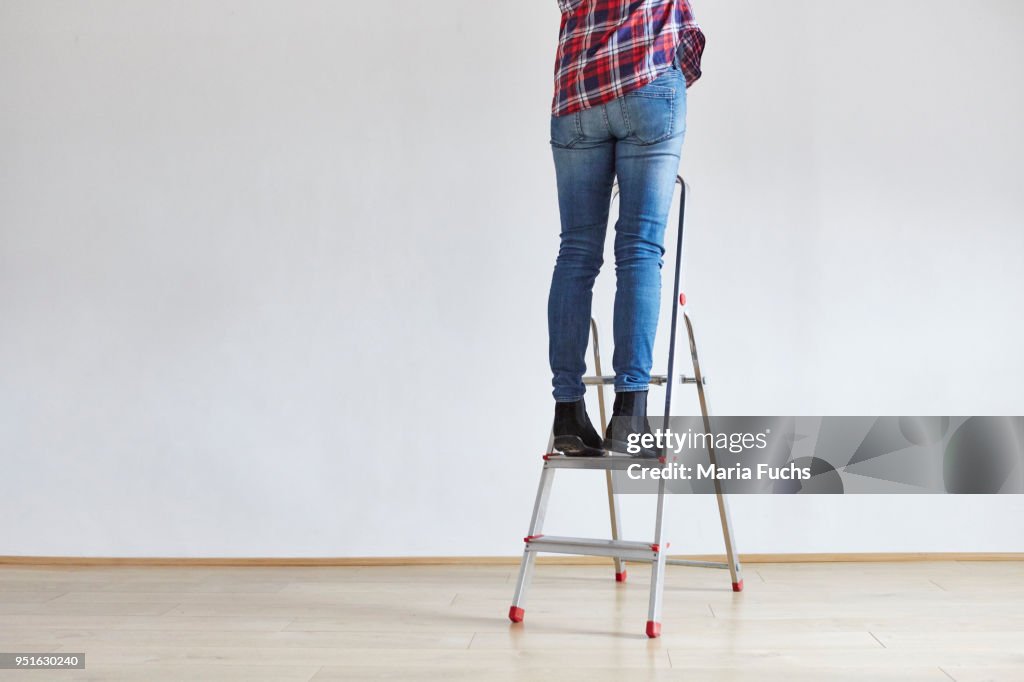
column 864, row 557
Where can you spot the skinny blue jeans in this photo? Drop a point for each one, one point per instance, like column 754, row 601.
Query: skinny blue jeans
column 637, row 138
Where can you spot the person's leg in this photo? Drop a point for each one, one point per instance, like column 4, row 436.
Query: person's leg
column 584, row 154
column 651, row 123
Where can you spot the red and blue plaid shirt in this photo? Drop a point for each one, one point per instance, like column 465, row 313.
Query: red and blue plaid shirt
column 608, row 48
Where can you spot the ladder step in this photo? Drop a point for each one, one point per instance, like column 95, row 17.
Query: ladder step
column 636, row 551
column 656, row 380
column 606, row 463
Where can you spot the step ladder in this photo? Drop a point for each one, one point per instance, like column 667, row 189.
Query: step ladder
column 622, row 551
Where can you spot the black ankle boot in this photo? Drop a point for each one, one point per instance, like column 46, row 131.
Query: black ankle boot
column 575, row 436
column 629, row 417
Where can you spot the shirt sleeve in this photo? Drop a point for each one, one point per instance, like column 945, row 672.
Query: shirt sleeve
column 691, row 49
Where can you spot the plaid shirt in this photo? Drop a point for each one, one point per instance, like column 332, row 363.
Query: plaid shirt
column 607, row 48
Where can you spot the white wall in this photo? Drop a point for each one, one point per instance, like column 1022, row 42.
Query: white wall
column 273, row 274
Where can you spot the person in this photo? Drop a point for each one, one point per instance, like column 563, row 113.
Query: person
column 619, row 111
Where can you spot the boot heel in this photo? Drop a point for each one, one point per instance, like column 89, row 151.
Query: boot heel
column 623, row 448
column 573, row 446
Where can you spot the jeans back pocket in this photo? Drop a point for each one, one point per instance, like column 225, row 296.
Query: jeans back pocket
column 656, row 111
column 566, row 130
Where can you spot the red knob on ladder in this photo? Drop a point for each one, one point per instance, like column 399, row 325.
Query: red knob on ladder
column 682, row 299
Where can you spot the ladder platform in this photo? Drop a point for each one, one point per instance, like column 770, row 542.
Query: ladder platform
column 656, row 380
column 607, row 463
column 624, row 549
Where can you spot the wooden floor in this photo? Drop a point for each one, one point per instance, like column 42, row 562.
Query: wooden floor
column 855, row 621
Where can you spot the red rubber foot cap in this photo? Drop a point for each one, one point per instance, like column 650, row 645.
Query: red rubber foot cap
column 653, row 629
column 737, row 587
column 620, row 577
column 515, row 614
